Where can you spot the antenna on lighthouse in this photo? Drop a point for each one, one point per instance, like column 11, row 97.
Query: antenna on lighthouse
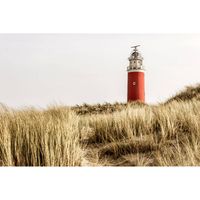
column 135, row 47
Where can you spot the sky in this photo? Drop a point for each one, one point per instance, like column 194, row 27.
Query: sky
column 69, row 69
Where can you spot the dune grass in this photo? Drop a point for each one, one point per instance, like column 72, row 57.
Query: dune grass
column 39, row 138
column 133, row 134
column 164, row 133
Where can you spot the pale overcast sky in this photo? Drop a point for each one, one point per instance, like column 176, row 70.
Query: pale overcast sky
column 44, row 69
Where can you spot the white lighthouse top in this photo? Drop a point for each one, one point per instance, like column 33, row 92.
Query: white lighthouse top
column 135, row 60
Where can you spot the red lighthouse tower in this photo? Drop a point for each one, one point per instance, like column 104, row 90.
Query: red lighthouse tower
column 136, row 84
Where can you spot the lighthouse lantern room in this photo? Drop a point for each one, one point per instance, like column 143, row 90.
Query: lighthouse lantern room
column 136, row 76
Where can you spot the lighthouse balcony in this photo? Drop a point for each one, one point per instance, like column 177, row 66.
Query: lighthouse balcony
column 129, row 68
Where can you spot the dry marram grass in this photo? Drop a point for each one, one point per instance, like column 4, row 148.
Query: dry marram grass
column 133, row 134
column 39, row 138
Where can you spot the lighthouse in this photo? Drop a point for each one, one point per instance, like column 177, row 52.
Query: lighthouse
column 136, row 77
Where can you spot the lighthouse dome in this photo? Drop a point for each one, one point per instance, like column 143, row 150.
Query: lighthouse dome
column 135, row 56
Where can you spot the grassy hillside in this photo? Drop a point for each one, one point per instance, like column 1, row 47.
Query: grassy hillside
column 132, row 134
column 188, row 94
